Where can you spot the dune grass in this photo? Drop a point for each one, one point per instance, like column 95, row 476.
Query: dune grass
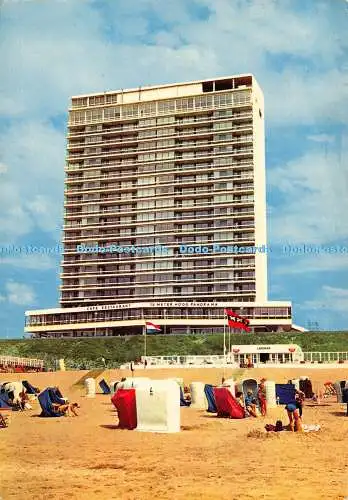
column 87, row 353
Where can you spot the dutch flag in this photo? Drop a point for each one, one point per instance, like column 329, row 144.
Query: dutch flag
column 152, row 328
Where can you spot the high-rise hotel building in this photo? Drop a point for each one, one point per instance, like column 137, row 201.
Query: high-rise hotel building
column 165, row 212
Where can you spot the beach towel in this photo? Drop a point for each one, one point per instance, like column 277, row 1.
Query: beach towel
column 209, row 393
column 285, row 393
column 311, row 427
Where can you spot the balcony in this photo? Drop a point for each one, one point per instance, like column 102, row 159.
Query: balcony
column 204, row 131
column 182, row 124
column 200, row 167
column 174, row 147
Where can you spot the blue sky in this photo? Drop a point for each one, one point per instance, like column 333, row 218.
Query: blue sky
column 297, row 50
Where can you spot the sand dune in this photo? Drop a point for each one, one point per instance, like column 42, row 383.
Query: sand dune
column 87, row 457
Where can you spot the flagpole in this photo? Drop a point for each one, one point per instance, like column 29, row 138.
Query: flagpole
column 224, row 341
column 144, row 333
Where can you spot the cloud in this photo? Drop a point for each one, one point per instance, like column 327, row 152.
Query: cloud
column 38, row 262
column 321, row 138
column 313, row 191
column 311, row 263
column 31, row 192
column 3, row 168
column 171, row 41
column 331, row 298
column 19, row 294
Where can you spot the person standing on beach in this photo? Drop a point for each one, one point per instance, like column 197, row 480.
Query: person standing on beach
column 261, row 396
column 295, row 422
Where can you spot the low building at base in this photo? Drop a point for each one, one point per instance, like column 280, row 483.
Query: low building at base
column 173, row 318
column 274, row 353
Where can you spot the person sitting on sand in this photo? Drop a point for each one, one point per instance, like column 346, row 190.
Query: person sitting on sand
column 24, row 401
column 67, row 410
column 250, row 403
column 239, row 398
column 187, row 394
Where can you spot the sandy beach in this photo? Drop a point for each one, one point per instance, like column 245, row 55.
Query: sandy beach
column 87, row 457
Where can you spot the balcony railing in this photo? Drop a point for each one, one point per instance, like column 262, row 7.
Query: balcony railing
column 158, row 171
column 183, row 122
column 137, row 138
column 177, row 196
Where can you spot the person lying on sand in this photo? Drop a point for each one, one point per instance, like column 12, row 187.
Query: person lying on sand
column 68, row 410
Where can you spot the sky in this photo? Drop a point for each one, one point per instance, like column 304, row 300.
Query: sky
column 53, row 49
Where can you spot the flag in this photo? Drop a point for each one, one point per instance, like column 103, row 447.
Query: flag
column 152, row 328
column 236, row 321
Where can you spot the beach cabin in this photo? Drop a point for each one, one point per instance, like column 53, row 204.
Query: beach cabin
column 271, row 353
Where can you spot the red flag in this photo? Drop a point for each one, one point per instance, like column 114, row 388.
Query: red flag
column 236, row 321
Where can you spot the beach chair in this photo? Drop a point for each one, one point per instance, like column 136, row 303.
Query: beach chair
column 226, row 404
column 345, row 398
column 209, row 394
column 28, row 387
column 125, row 404
column 104, row 387
column 46, row 399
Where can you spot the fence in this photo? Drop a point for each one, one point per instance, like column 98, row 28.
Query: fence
column 27, row 362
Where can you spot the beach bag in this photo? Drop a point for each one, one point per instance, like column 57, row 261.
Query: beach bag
column 278, row 426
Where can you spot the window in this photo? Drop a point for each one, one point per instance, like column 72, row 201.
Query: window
column 110, row 98
column 163, row 108
column 96, row 100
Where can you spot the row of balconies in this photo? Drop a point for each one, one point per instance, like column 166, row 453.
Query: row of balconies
column 161, row 180
column 210, row 130
column 208, row 229
column 182, row 159
column 158, row 217
column 96, row 116
column 142, row 141
column 240, row 240
column 130, row 209
column 170, row 148
column 216, row 160
column 155, row 283
column 204, row 234
column 128, row 267
column 159, row 169
column 78, row 201
column 87, row 187
column 96, row 228
column 105, row 268
column 121, row 295
column 106, row 129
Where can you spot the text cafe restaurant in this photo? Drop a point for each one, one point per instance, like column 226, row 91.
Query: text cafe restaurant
column 275, row 353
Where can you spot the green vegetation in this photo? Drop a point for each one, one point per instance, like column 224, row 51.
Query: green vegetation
column 87, row 353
